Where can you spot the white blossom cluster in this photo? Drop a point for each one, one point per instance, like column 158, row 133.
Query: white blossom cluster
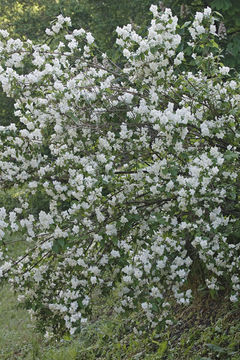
column 139, row 166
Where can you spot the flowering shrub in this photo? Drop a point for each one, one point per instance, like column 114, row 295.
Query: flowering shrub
column 138, row 166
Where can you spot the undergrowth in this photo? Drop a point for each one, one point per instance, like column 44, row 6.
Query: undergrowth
column 208, row 330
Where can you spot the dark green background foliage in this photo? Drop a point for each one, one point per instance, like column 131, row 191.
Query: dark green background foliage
column 29, row 19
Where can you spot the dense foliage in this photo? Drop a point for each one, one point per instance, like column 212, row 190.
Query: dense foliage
column 27, row 20
column 228, row 27
column 138, row 167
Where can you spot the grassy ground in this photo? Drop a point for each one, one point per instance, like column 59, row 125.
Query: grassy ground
column 17, row 338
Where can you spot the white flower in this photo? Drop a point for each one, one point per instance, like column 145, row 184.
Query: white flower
column 4, row 33
column 126, row 53
column 207, row 12
column 111, row 229
column 73, row 44
column 224, row 70
column 212, row 29
column 58, row 86
column 89, row 38
column 154, row 10
column 115, row 254
column 199, row 16
column 144, row 306
column 93, row 280
column 45, row 219
column 233, row 298
column 204, row 129
column 49, row 32
column 204, row 244
column 138, row 273
column 200, row 29
column 56, row 28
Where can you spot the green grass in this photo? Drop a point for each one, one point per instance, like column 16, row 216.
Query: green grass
column 17, row 337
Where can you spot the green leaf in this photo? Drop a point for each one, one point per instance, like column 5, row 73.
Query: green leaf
column 162, row 348
column 214, row 44
column 58, row 245
column 230, row 155
column 186, row 24
column 55, row 247
column 218, row 14
column 61, row 242
column 217, row 348
column 155, row 308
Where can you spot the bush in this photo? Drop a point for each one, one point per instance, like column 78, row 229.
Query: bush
column 138, row 166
